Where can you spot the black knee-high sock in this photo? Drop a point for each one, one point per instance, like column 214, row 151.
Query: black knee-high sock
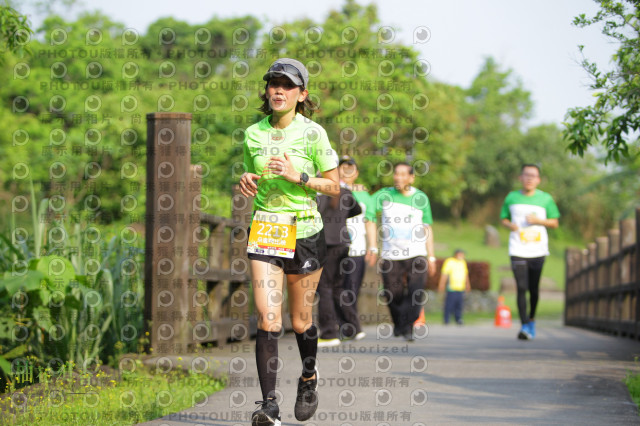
column 308, row 347
column 267, row 362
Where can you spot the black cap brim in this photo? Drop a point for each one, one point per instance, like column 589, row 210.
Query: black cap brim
column 294, row 78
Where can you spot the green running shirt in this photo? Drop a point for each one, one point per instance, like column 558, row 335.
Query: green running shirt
column 307, row 145
column 530, row 240
column 402, row 222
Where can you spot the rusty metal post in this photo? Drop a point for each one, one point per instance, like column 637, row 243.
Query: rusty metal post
column 167, row 236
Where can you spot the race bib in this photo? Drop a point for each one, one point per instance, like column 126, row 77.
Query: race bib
column 273, row 234
column 530, row 234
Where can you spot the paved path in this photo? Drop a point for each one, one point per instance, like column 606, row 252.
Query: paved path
column 454, row 375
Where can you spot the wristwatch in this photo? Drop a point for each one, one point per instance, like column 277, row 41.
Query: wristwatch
column 304, row 178
column 431, row 258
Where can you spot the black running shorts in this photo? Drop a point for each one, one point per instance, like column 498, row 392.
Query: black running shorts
column 310, row 255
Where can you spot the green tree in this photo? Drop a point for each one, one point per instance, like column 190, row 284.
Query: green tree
column 68, row 118
column 15, row 32
column 496, row 107
column 614, row 119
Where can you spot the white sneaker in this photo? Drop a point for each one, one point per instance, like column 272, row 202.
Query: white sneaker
column 327, row 343
column 360, row 336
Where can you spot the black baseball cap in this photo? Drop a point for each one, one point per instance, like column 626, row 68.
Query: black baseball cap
column 348, row 160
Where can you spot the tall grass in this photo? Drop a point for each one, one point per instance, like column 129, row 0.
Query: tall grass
column 632, row 380
column 69, row 292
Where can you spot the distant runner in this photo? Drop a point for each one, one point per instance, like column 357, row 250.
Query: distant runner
column 528, row 213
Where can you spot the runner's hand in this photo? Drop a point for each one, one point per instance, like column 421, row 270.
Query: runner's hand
column 431, row 268
column 371, row 258
column 283, row 167
column 248, row 186
column 532, row 219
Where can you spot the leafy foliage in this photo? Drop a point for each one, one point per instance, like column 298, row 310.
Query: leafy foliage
column 73, row 299
column 614, row 119
column 496, row 108
column 15, row 32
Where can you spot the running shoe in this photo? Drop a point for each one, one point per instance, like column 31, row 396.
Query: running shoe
column 525, row 333
column 268, row 414
column 532, row 328
column 307, row 398
column 357, row 336
column 326, row 343
column 408, row 335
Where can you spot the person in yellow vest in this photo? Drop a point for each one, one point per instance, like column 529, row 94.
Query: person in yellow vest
column 455, row 278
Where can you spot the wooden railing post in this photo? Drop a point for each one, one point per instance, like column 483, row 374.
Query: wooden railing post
column 193, row 308
column 569, row 284
column 241, row 208
column 637, row 274
column 613, row 304
column 627, row 239
column 593, row 281
column 602, row 251
column 584, row 282
column 614, row 249
column 167, row 240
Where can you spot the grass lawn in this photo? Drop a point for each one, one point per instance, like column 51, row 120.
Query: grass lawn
column 80, row 399
column 633, row 384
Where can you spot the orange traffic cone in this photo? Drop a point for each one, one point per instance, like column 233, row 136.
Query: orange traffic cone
column 503, row 314
column 420, row 321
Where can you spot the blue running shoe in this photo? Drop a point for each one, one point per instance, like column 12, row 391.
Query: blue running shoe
column 532, row 328
column 525, row 333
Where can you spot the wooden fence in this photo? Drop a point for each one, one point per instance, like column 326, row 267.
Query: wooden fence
column 603, row 282
column 196, row 270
